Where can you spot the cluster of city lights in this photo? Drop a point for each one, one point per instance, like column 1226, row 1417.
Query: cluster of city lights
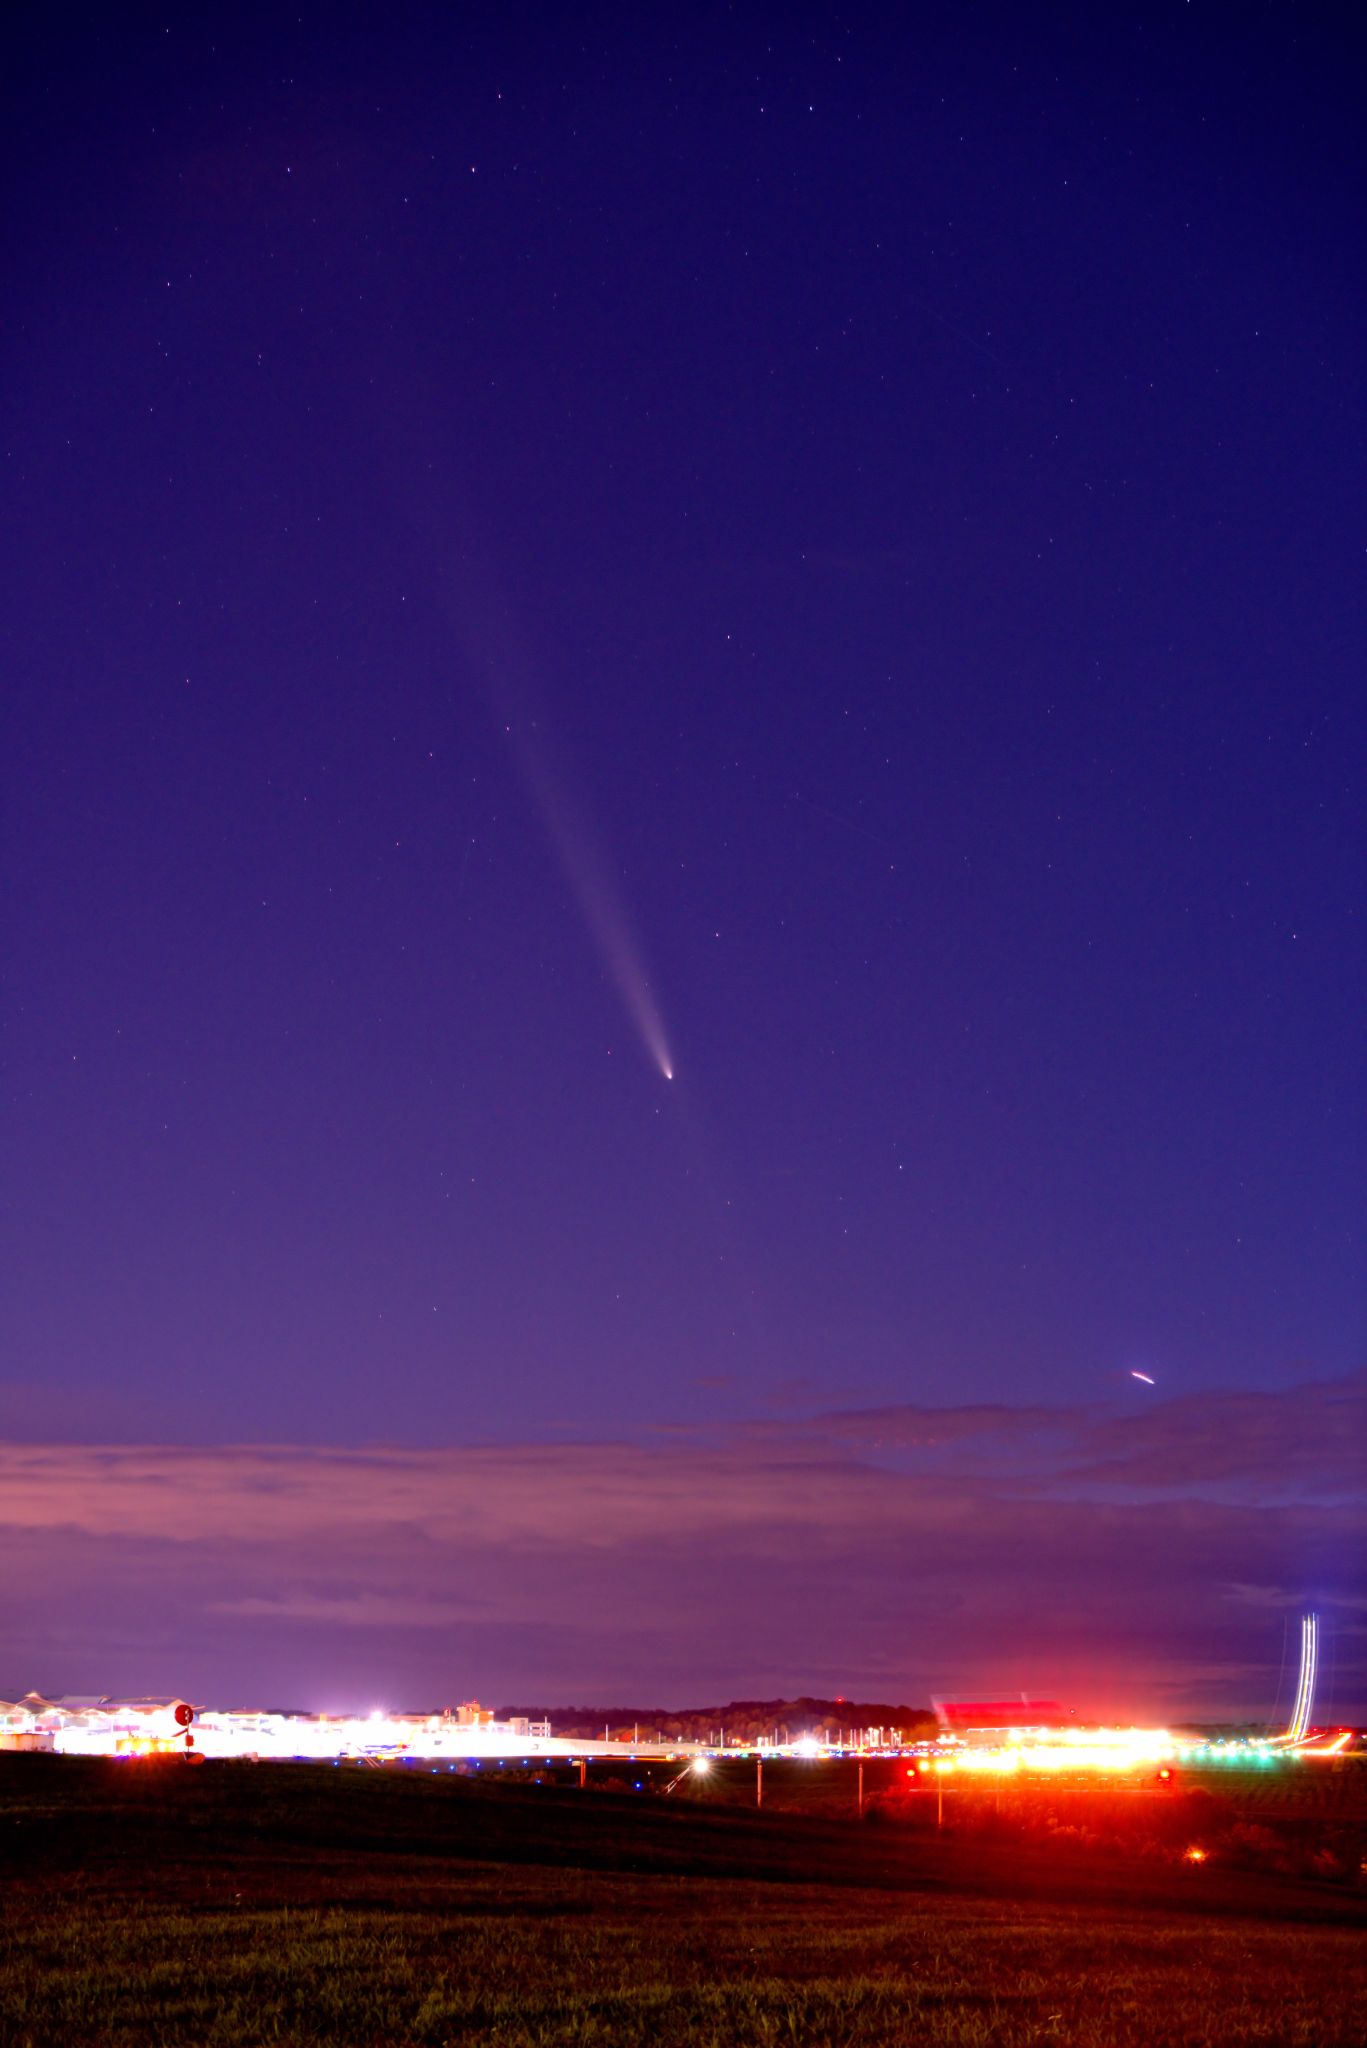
column 1119, row 1752
column 469, row 1733
column 1044, row 1750
column 133, row 1728
column 153, row 1727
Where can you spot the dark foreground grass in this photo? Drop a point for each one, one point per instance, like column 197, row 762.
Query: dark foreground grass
column 236, row 1906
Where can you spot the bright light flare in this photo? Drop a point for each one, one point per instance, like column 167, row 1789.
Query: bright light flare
column 1147, row 1378
column 1047, row 1751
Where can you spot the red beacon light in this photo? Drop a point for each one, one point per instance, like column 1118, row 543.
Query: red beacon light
column 184, row 1714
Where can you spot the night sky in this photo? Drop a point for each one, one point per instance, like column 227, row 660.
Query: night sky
column 682, row 856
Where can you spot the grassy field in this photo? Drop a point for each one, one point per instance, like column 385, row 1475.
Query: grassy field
column 239, row 1904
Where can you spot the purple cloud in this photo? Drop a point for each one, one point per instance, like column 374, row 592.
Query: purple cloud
column 1142, row 1565
column 1304, row 1440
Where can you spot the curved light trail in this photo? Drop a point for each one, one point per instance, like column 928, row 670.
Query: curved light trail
column 1305, row 1685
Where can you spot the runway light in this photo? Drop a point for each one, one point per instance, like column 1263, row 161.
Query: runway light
column 1195, row 1854
column 702, row 1765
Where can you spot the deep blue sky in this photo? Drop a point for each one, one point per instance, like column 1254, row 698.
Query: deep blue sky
column 844, row 533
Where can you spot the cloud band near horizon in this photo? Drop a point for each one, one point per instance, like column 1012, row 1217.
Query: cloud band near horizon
column 1144, row 1564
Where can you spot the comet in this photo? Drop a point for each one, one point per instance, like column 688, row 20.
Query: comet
column 501, row 666
column 593, row 883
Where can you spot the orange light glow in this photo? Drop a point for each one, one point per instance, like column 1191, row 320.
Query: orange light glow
column 1054, row 1750
column 1335, row 1747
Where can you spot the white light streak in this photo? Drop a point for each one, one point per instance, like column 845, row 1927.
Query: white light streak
column 1305, row 1686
